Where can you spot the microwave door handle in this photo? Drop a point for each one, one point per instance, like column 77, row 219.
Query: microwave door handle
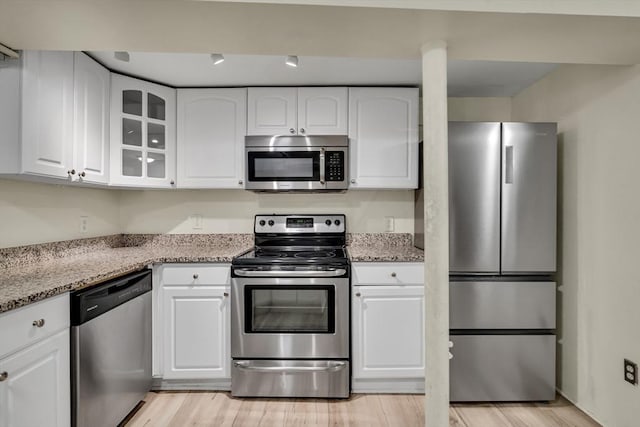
column 322, row 171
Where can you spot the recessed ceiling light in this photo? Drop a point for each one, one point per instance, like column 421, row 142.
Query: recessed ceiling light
column 217, row 58
column 121, row 56
column 292, row 61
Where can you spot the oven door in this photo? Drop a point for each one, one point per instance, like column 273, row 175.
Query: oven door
column 289, row 317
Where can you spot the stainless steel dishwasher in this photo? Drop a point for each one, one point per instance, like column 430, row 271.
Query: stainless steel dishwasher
column 110, row 349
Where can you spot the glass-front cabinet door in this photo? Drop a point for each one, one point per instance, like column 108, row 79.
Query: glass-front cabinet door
column 142, row 133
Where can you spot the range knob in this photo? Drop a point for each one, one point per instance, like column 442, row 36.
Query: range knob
column 328, row 222
column 271, row 223
column 262, row 223
column 336, row 222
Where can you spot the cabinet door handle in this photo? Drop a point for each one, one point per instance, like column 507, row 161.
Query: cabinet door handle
column 172, row 182
column 240, row 182
column 3, row 376
column 196, row 275
column 38, row 323
column 292, row 130
column 358, row 294
column 82, row 174
column 71, row 172
column 393, row 274
column 226, row 294
column 353, row 181
column 301, row 130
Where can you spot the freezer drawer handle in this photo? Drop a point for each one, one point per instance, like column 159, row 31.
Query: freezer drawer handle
column 508, row 172
column 331, row 367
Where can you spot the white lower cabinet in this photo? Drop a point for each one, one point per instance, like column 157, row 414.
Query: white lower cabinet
column 35, row 374
column 388, row 328
column 192, row 324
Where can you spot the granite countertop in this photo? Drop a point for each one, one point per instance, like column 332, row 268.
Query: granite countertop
column 48, row 275
column 383, row 247
column 33, row 273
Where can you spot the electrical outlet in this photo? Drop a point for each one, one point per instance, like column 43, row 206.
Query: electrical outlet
column 196, row 221
column 84, row 224
column 630, row 372
column 389, row 225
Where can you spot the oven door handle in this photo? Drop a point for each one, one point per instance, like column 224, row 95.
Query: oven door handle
column 331, row 367
column 246, row 272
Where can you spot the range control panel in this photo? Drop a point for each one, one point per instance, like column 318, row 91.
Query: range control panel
column 299, row 224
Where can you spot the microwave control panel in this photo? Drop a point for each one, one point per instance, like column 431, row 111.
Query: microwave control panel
column 334, row 166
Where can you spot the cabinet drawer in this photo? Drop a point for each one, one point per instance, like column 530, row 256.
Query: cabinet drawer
column 388, row 273
column 195, row 274
column 502, row 305
column 17, row 327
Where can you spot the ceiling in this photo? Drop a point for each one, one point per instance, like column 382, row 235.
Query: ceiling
column 501, row 30
column 466, row 78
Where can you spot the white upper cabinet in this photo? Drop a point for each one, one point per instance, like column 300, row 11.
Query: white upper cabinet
column 322, row 110
column 211, row 127
column 297, row 111
column 383, row 137
column 91, row 120
column 47, row 113
column 54, row 112
column 143, row 149
column 272, row 111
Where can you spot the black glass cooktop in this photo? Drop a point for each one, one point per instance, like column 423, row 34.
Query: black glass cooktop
column 292, row 256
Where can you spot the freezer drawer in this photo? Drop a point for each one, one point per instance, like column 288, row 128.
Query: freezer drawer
column 502, row 368
column 502, row 305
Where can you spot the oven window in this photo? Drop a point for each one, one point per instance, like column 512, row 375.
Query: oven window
column 284, row 166
column 290, row 309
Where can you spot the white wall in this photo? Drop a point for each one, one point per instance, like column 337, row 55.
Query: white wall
column 232, row 211
column 36, row 213
column 598, row 113
column 479, row 109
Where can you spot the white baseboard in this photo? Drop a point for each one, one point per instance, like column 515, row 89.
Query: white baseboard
column 561, row 393
column 160, row 384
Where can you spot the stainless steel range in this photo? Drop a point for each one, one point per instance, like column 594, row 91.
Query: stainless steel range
column 290, row 309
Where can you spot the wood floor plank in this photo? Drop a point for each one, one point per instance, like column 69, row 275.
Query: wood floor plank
column 520, row 415
column 160, row 410
column 219, row 409
column 482, row 414
column 566, row 414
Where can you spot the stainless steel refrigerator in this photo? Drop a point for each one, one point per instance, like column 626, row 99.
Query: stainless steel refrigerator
column 502, row 259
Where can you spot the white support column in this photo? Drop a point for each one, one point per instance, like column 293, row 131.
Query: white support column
column 436, row 233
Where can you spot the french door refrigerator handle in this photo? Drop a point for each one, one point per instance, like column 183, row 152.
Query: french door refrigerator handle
column 508, row 172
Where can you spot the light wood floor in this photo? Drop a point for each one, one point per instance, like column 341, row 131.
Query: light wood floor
column 397, row 410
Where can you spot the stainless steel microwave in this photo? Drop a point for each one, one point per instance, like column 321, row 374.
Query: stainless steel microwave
column 297, row 163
